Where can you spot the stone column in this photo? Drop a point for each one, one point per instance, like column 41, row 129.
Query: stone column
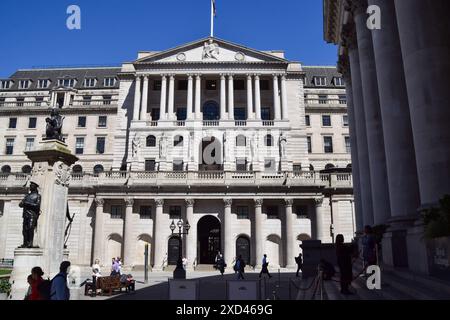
column 229, row 246
column 191, row 238
column 223, row 97
column 425, row 42
column 230, row 97
column 98, row 232
column 284, row 99
column 350, row 41
column 259, row 240
column 374, row 126
column 250, row 114
column 257, row 98
column 160, row 246
column 190, row 96
column 128, row 239
column 276, row 98
column 171, row 104
column 198, row 97
column 319, row 219
column 137, row 98
column 289, row 235
column 144, row 99
column 162, row 108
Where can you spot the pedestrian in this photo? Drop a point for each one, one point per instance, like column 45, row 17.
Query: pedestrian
column 59, row 289
column 30, row 282
column 119, row 262
column 344, row 260
column 265, row 265
column 220, row 263
column 369, row 247
column 96, row 273
column 37, row 280
column 184, row 262
column 115, row 269
column 299, row 262
column 240, row 267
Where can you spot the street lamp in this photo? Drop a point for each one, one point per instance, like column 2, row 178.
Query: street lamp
column 183, row 229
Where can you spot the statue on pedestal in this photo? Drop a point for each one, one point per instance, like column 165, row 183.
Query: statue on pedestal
column 282, row 143
column 136, row 145
column 31, row 205
column 54, row 126
column 162, row 147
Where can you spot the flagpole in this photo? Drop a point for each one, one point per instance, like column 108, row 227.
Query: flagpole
column 212, row 19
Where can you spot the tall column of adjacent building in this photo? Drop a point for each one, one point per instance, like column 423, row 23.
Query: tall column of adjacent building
column 289, row 236
column 257, row 97
column 250, row 114
column 319, row 219
column 191, row 238
column 230, row 97
column 284, row 98
column 398, row 138
column 137, row 98
column 162, row 108
column 223, row 97
column 144, row 106
column 171, row 104
column 190, row 97
column 259, row 240
column 198, row 97
column 158, row 235
column 229, row 247
column 424, row 33
column 276, row 98
column 128, row 239
column 98, row 232
column 349, row 38
column 344, row 69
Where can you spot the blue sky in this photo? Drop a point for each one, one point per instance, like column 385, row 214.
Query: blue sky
column 34, row 32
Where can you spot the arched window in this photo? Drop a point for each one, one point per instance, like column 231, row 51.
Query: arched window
column 6, row 169
column 77, row 169
column 151, row 141
column 311, row 167
column 241, row 141
column 349, row 166
column 98, row 169
column 329, row 166
column 178, row 141
column 268, row 140
column 26, row 169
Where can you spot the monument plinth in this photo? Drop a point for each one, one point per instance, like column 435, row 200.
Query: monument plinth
column 51, row 173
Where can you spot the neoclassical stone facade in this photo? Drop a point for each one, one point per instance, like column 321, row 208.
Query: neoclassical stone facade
column 209, row 132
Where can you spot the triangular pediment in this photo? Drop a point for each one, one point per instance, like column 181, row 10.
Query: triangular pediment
column 210, row 50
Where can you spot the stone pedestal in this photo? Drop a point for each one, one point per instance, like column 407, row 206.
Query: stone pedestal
column 24, row 261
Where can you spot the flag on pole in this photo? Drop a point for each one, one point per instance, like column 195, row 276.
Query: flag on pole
column 214, row 8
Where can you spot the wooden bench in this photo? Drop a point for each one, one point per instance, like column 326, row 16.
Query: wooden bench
column 111, row 283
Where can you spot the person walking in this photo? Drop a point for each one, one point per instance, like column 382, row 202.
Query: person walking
column 299, row 262
column 369, row 247
column 240, row 267
column 344, row 260
column 59, row 289
column 36, row 281
column 220, row 264
column 265, row 265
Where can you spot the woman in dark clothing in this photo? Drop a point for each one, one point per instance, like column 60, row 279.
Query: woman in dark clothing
column 344, row 260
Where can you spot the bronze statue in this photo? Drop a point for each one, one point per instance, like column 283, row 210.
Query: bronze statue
column 54, row 126
column 31, row 205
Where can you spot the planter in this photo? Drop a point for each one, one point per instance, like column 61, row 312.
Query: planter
column 438, row 251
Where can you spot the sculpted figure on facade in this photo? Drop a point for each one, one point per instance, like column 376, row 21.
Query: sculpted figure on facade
column 211, row 50
column 283, row 143
column 136, row 145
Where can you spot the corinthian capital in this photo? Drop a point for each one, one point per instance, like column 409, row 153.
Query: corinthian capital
column 288, row 202
column 258, row 202
column 159, row 202
column 129, row 202
column 189, row 202
column 99, row 202
column 228, row 202
column 318, row 201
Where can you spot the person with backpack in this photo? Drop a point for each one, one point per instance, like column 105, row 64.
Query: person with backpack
column 36, row 283
column 299, row 262
column 265, row 265
column 59, row 289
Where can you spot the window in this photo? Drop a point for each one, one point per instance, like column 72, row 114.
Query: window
column 265, row 113
column 308, row 120
column 145, row 212
column 320, row 81
column 347, row 145
column 345, row 120
column 39, row 101
column 240, row 113
column 26, row 169
column 102, row 121
column 98, row 169
column 342, row 99
column 308, row 140
column 241, row 141
column 297, row 167
column 181, row 114
column 43, row 83
column 177, row 165
column 82, row 122
column 269, row 165
column 150, row 165
column 155, row 114
column 24, row 84
column 32, row 123
column 264, row 85
column 268, row 140
column 239, row 85
column 272, row 212
column 87, row 100
column 182, row 85
column 90, row 82
column 338, row 82
column 9, row 146
column 5, row 84
column 116, row 212
column 328, row 144
column 20, row 101
column 12, row 123
column 301, row 212
column 242, row 212
column 2, row 102
column 241, row 164
column 6, row 169
column 175, row 212
column 151, row 141
column 29, row 144
column 100, row 145
column 323, row 99
column 326, row 121
column 77, row 169
column 79, row 145
column 109, row 82
column 178, row 141
column 69, row 83
column 107, row 100
column 211, row 85
column 157, row 85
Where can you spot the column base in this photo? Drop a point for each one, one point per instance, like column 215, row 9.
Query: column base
column 24, row 261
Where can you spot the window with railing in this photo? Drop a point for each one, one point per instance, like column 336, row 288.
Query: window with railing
column 116, row 212
column 301, row 212
column 342, row 99
column 150, row 165
column 39, row 101
column 242, row 212
column 87, row 100
column 20, row 101
column 107, row 100
column 323, row 99
column 145, row 212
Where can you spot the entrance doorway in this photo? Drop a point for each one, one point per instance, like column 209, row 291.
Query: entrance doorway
column 208, row 230
column 243, row 248
column 173, row 250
